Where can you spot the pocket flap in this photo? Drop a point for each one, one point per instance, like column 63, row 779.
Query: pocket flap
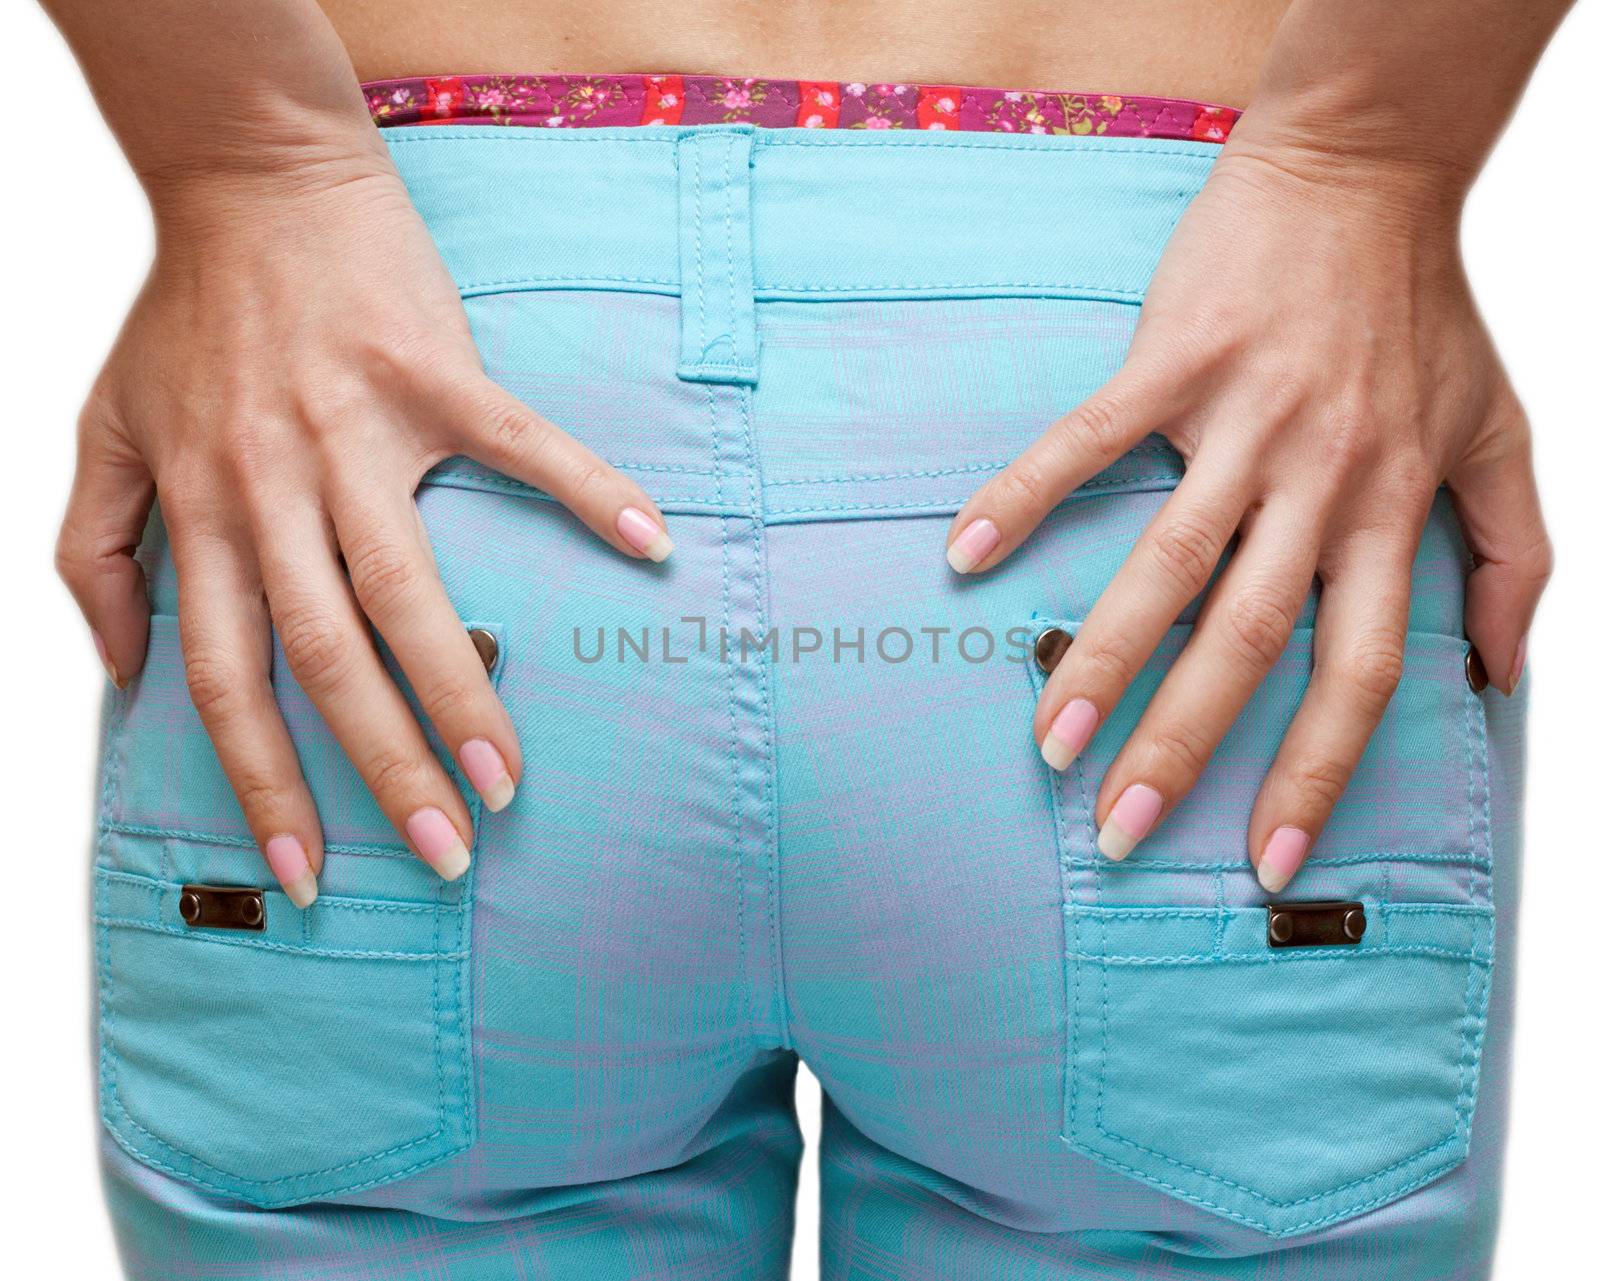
column 1283, row 1088
column 324, row 1053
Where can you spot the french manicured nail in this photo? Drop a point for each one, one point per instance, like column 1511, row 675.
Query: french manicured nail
column 1069, row 733
column 438, row 842
column 1516, row 665
column 1130, row 821
column 975, row 542
column 643, row 534
column 105, row 660
column 486, row 769
column 1285, row 852
column 287, row 859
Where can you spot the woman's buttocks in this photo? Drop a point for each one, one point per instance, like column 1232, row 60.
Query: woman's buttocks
column 1207, row 51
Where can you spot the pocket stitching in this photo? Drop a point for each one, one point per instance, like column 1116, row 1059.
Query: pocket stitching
column 273, row 945
column 1465, row 1095
column 116, row 715
column 1473, row 1028
column 1479, row 828
column 114, row 1107
column 1462, row 1065
column 1473, row 1018
column 114, row 1101
column 359, row 849
column 1213, row 958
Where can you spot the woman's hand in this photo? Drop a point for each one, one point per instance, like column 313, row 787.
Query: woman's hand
column 295, row 363
column 1310, row 347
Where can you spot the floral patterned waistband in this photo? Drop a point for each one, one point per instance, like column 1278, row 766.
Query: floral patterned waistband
column 568, row 101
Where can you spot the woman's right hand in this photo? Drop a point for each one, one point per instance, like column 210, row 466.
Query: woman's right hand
column 297, row 360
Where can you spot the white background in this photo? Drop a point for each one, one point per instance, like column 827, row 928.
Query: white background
column 74, row 240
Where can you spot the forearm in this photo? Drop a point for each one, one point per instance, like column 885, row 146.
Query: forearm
column 1425, row 86
column 194, row 89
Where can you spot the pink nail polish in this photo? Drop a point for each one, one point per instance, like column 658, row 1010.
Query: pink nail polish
column 1069, row 733
column 1130, row 821
column 1516, row 665
column 1281, row 859
column 105, row 660
column 974, row 542
column 438, row 842
column 287, row 859
column 486, row 770
column 643, row 534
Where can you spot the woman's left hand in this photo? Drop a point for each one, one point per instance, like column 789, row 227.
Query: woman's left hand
column 1310, row 347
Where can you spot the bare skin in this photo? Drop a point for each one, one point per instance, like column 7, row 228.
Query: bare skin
column 1318, row 421
column 1211, row 51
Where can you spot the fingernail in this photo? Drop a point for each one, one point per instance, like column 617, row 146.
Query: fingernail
column 1130, row 821
column 1286, row 850
column 486, row 768
column 1069, row 733
column 643, row 534
column 105, row 660
column 438, row 842
column 975, row 542
column 287, row 859
column 1516, row 665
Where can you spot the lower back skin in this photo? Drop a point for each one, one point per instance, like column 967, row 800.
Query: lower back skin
column 1209, row 51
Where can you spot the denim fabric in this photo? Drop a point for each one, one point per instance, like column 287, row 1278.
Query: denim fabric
column 726, row 856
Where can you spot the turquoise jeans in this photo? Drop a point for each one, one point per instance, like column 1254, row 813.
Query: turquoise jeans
column 781, row 802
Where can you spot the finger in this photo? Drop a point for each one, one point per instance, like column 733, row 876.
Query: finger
column 501, row 432
column 1168, row 567
column 392, row 571
column 112, row 494
column 330, row 651
column 227, row 658
column 1240, row 634
column 1359, row 650
column 1498, row 505
column 1006, row 509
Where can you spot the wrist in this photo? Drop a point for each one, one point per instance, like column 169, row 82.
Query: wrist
column 198, row 191
column 1419, row 91
column 259, row 136
column 1358, row 152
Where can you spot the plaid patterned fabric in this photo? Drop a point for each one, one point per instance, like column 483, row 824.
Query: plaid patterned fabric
column 721, row 860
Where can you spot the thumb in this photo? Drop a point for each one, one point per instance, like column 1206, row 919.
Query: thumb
column 1495, row 497
column 112, row 493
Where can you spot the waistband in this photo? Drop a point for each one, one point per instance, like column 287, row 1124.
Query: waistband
column 585, row 101
column 727, row 216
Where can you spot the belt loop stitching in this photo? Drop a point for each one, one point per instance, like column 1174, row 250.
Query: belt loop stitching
column 726, row 311
column 699, row 259
column 735, row 304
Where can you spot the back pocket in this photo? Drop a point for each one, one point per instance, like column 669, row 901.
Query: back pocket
column 304, row 1055
column 1283, row 1087
column 323, row 1054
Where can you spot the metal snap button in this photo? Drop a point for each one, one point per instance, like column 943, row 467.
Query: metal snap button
column 488, row 648
column 1315, row 924
column 222, row 907
column 1049, row 647
column 1355, row 924
column 1477, row 673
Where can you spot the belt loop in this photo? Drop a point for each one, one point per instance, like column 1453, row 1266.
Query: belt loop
column 717, row 314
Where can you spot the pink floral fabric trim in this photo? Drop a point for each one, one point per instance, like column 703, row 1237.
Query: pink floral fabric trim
column 564, row 102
